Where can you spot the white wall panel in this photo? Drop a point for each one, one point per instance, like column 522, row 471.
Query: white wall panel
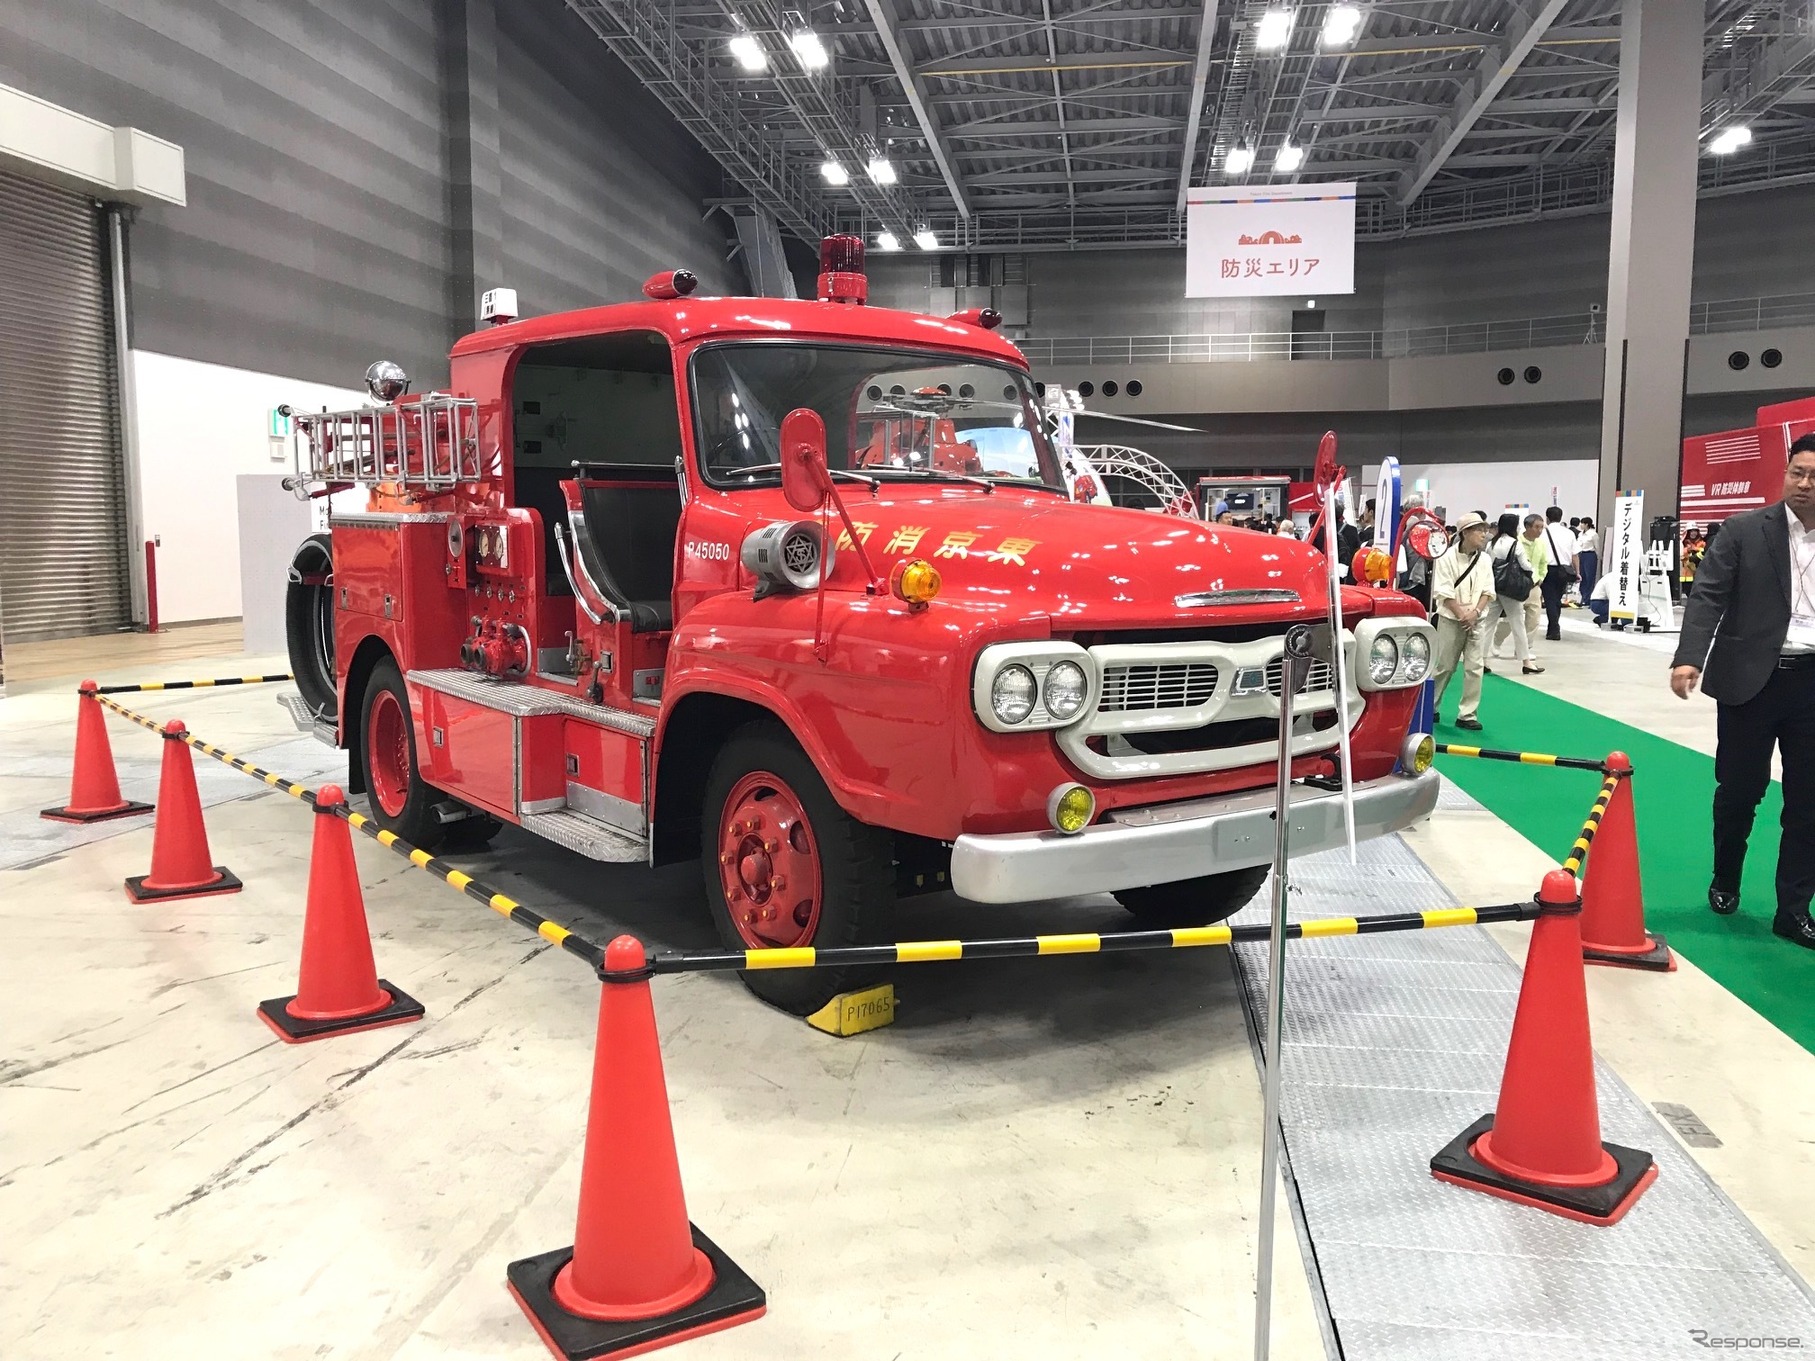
column 1491, row 486
column 201, row 426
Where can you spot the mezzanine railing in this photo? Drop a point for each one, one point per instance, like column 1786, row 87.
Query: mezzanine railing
column 1526, row 333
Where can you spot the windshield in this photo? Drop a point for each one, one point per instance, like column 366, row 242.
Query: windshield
column 889, row 414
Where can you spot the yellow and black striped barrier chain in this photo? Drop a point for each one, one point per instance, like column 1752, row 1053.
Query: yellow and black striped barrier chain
column 1579, row 852
column 553, row 932
column 190, row 684
column 1090, row 943
column 1528, row 758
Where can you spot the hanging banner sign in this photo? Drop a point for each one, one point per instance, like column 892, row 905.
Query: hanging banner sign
column 1626, row 556
column 1269, row 240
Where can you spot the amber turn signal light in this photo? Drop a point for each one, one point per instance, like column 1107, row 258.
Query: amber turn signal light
column 1376, row 566
column 915, row 581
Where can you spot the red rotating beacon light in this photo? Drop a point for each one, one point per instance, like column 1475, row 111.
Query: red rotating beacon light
column 841, row 276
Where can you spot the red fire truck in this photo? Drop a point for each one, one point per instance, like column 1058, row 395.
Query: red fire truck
column 795, row 587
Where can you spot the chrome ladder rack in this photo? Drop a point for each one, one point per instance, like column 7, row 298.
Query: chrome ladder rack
column 431, row 443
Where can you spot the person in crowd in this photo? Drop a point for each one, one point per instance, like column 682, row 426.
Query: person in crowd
column 1749, row 639
column 1588, row 556
column 1367, row 520
column 1349, row 539
column 1287, row 529
column 1560, row 548
column 1532, row 541
column 1462, row 588
column 1513, row 586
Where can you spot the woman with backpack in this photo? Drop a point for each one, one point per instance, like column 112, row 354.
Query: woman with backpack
column 1515, row 579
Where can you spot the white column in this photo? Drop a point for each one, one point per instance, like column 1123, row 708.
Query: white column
column 1653, row 250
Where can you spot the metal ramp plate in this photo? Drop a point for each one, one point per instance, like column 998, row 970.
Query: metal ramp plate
column 588, row 836
column 1392, row 1045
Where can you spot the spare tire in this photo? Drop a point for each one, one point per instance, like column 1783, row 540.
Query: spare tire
column 309, row 624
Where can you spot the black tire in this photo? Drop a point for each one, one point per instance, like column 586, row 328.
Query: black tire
column 1203, row 901
column 414, row 820
column 857, row 877
column 309, row 624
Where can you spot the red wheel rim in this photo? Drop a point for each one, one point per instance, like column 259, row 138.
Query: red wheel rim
column 388, row 754
column 768, row 863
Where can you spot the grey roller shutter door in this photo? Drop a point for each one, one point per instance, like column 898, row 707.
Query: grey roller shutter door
column 63, row 565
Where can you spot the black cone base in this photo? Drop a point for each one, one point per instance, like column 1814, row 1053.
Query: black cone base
column 128, row 810
column 137, row 891
column 734, row 1298
column 295, row 1030
column 1657, row 959
column 1602, row 1205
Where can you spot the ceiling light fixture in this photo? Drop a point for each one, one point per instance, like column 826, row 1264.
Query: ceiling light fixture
column 809, row 49
column 925, row 239
column 1238, row 161
column 1341, row 24
column 1274, row 30
column 834, row 173
column 887, row 241
column 1729, row 140
column 1288, row 158
column 881, row 170
column 748, row 51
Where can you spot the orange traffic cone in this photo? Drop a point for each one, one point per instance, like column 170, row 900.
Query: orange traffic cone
column 1613, row 896
column 180, row 864
column 638, row 1276
column 1542, row 1144
column 94, row 789
column 339, row 990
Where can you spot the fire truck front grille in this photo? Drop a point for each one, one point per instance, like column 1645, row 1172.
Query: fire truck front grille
column 1200, row 704
column 1159, row 685
column 1322, row 677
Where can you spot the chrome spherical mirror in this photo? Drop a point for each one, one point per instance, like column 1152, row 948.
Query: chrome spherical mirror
column 387, row 381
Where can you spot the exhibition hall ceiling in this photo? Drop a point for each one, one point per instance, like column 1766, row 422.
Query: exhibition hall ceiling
column 1020, row 124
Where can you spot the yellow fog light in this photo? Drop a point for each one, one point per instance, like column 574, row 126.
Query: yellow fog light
column 1416, row 755
column 916, row 581
column 1070, row 807
column 1378, row 567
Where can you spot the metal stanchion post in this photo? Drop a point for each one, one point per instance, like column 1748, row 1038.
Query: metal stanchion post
column 1294, row 671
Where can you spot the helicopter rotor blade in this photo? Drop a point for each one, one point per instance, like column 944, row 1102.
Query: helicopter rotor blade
column 1136, row 420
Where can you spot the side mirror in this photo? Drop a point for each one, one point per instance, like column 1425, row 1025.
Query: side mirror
column 805, row 482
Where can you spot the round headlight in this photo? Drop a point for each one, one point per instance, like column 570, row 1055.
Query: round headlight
column 1383, row 659
column 1066, row 689
column 1012, row 694
column 1415, row 648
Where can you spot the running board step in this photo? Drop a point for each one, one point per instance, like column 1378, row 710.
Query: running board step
column 306, row 720
column 590, row 837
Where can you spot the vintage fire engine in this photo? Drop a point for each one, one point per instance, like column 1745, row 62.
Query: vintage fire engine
column 795, row 587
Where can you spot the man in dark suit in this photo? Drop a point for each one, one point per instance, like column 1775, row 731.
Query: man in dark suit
column 1751, row 623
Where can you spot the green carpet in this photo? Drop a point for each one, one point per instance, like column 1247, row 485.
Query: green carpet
column 1672, row 791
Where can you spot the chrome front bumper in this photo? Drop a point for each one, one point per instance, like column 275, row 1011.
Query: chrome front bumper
column 1131, row 847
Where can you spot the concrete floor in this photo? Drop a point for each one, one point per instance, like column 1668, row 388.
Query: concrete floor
column 1054, row 1157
